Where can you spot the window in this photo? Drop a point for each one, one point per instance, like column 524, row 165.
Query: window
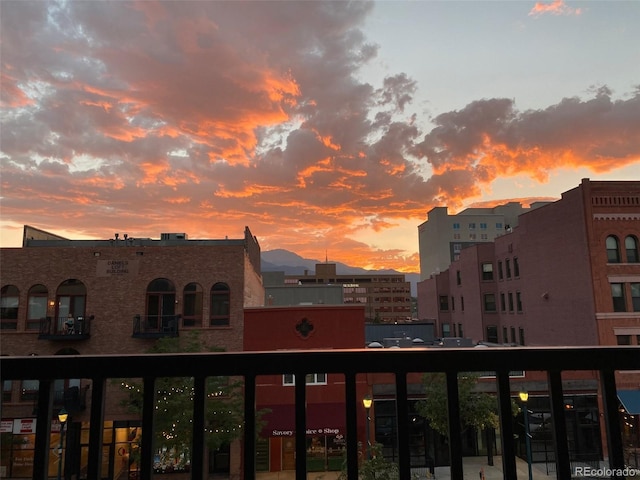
column 521, row 332
column 484, row 236
column 483, row 226
column 498, row 226
column 472, row 226
column 220, row 304
column 472, row 236
column 505, row 335
column 7, row 386
column 29, row 390
column 500, row 277
column 516, row 267
column 444, row 303
column 617, row 295
column 631, row 247
column 161, row 304
column 635, row 296
column 492, row 334
column 456, row 226
column 510, row 299
column 487, row 271
column 489, row 302
column 37, row 306
column 460, row 334
column 623, row 339
column 446, row 330
column 192, row 305
column 613, row 250
column 9, row 300
column 507, row 265
column 519, row 302
column 513, row 334
column 70, row 302
column 310, row 379
column 503, row 303
column 462, row 304
column 457, row 247
column 454, row 330
column 453, row 304
column 458, row 278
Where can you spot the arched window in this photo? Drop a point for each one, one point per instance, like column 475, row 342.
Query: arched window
column 9, row 301
column 631, row 246
column 192, row 305
column 37, row 306
column 161, row 303
column 70, row 304
column 613, row 249
column 220, row 304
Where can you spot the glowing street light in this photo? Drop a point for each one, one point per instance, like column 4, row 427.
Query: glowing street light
column 62, row 417
column 367, row 401
column 524, row 397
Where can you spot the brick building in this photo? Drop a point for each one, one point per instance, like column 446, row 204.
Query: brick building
column 115, row 296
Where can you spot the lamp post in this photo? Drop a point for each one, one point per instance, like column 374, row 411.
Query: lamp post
column 367, row 401
column 62, row 417
column 524, row 397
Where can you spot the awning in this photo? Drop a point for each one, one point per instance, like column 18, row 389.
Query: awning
column 630, row 400
column 322, row 419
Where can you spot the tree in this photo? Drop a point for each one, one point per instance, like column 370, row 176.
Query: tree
column 477, row 409
column 174, row 404
column 375, row 468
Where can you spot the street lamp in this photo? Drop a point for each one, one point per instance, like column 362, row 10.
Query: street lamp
column 367, row 401
column 524, row 397
column 62, row 417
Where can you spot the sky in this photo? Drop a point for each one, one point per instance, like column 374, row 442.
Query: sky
column 329, row 128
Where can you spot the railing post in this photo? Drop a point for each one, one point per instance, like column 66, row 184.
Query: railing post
column 197, row 435
column 352, row 425
column 402, row 413
column 506, row 424
column 148, row 408
column 249, row 460
column 455, row 438
column 96, row 428
column 43, row 430
column 301, row 426
column 563, row 462
column 612, row 421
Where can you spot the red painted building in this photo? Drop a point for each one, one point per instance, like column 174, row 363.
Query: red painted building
column 304, row 328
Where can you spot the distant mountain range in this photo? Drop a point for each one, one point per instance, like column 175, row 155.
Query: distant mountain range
column 293, row 264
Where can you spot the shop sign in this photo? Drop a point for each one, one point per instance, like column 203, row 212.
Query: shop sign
column 24, row 425
column 116, row 268
column 310, row 431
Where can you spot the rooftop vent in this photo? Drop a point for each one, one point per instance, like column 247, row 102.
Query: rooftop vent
column 173, row 236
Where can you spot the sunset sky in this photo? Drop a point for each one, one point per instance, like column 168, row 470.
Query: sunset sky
column 329, row 128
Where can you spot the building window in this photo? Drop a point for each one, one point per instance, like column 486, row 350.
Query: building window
column 9, row 300
column 454, row 330
column 505, row 335
column 623, row 339
column 453, row 304
column 516, row 267
column 613, row 249
column 617, row 295
column 192, row 305
column 310, row 379
column 483, row 226
column 489, row 302
column 161, row 304
column 29, row 390
column 446, row 330
column 492, row 334
column 513, row 334
column 472, row 236
column 635, row 296
column 460, row 333
column 456, row 226
column 444, row 303
column 484, row 236
column 220, row 304
column 456, row 236
column 498, row 226
column 37, row 306
column 521, row 331
column 519, row 302
column 500, row 277
column 70, row 303
column 507, row 265
column 458, row 278
column 457, row 247
column 472, row 226
column 510, row 299
column 631, row 247
column 7, row 386
column 462, row 304
column 487, row 271
column 503, row 303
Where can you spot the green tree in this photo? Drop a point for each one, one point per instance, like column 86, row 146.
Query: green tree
column 375, row 468
column 174, row 403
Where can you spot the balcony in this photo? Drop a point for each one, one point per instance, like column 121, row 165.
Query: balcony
column 606, row 361
column 155, row 326
column 66, row 328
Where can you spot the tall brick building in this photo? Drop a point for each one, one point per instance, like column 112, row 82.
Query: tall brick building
column 114, row 296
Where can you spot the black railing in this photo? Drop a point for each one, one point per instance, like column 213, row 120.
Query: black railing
column 605, row 360
column 155, row 326
column 65, row 328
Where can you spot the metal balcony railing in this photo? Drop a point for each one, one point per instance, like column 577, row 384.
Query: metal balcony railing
column 65, row 328
column 350, row 363
column 155, row 326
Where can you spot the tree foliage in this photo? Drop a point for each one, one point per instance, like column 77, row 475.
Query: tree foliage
column 477, row 409
column 174, row 402
column 375, row 468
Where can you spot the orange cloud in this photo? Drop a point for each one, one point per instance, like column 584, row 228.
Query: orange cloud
column 557, row 7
